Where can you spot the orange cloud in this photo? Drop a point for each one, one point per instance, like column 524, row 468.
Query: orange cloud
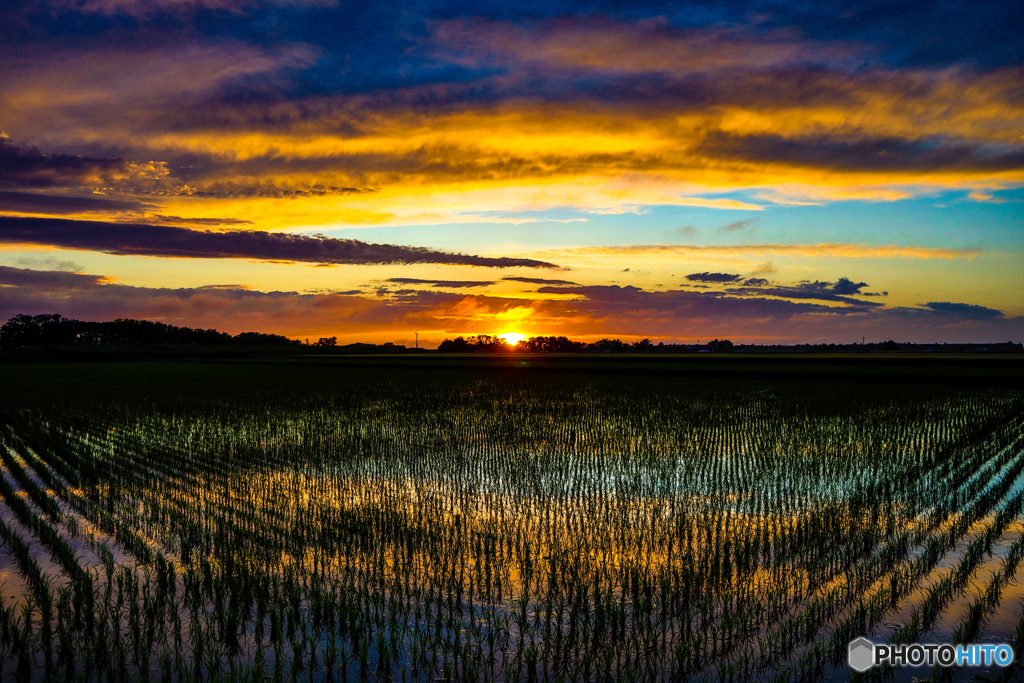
column 681, row 117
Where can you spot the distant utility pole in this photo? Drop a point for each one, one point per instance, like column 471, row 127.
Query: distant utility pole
column 417, row 339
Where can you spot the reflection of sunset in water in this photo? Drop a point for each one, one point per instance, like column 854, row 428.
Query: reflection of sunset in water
column 515, row 513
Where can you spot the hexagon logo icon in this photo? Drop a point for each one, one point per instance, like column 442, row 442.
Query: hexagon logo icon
column 861, row 655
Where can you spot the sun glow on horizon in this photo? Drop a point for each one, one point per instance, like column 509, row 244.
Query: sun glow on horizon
column 512, row 338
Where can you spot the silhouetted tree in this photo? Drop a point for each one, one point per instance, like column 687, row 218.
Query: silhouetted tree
column 608, row 346
column 327, row 341
column 488, row 344
column 720, row 346
column 263, row 338
column 39, row 330
column 51, row 328
column 129, row 331
column 481, row 343
column 457, row 345
column 550, row 345
column 643, row 346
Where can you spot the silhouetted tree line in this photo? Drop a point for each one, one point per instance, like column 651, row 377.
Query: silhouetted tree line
column 481, row 343
column 487, row 344
column 720, row 346
column 551, row 345
column 53, row 329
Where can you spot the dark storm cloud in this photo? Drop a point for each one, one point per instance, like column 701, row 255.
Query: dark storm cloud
column 613, row 299
column 843, row 286
column 631, row 306
column 448, row 284
column 969, row 311
column 30, row 202
column 48, row 279
column 29, row 168
column 912, row 33
column 226, row 190
column 713, row 277
column 197, row 221
column 859, row 154
column 906, row 33
column 538, row 281
column 838, row 291
column 163, row 240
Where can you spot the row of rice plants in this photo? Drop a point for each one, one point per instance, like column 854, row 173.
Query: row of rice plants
column 497, row 529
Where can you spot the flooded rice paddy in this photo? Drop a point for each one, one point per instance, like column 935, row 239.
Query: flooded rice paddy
column 208, row 522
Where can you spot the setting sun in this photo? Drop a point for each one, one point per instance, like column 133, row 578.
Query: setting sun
column 512, row 338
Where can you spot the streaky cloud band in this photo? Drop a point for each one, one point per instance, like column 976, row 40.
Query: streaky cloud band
column 170, row 241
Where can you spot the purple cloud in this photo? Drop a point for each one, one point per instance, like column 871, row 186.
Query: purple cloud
column 28, row 167
column 713, row 277
column 538, row 281
column 163, row 240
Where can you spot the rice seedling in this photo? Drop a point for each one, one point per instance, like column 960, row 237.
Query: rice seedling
column 334, row 526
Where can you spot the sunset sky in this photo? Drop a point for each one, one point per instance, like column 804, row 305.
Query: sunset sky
column 766, row 172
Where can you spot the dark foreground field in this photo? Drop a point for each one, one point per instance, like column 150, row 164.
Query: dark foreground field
column 982, row 370
column 505, row 519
